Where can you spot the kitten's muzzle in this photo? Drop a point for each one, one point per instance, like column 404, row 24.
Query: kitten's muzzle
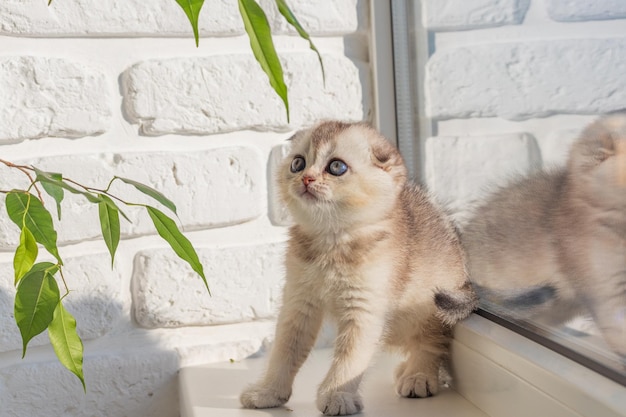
column 306, row 180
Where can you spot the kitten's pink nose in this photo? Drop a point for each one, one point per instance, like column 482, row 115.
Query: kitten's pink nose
column 307, row 180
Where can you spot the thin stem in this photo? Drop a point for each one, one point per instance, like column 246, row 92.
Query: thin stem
column 81, row 185
column 26, row 211
column 106, row 190
column 67, row 289
column 12, row 165
column 24, row 169
column 99, row 191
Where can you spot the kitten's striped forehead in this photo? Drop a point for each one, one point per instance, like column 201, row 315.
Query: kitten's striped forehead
column 326, row 132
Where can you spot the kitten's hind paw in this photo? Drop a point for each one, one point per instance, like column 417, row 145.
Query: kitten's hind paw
column 337, row 403
column 417, row 385
column 258, row 396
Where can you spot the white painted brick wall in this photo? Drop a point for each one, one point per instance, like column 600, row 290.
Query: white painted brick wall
column 246, row 281
column 163, row 18
column 100, row 88
column 131, row 383
column 192, row 102
column 114, row 17
column 462, row 14
column 508, row 86
column 527, row 79
column 581, row 10
column 51, row 97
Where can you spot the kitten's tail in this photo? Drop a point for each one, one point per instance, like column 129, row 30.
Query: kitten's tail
column 517, row 303
column 454, row 306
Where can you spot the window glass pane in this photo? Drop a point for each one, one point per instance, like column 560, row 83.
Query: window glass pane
column 511, row 102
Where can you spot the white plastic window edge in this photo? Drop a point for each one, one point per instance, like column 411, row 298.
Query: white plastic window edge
column 506, row 374
column 381, row 52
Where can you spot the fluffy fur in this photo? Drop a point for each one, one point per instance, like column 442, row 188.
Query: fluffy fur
column 553, row 245
column 370, row 251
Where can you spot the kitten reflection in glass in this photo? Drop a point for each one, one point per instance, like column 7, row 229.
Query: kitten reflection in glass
column 552, row 246
column 372, row 252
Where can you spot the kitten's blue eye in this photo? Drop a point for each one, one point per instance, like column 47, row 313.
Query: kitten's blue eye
column 337, row 167
column 297, row 164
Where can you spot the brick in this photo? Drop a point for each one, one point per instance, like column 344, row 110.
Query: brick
column 115, row 17
column 119, row 384
column 462, row 170
column 211, row 188
column 230, row 92
column 278, row 213
column 95, row 299
column 527, row 80
column 245, row 282
column 463, row 15
column 582, row 10
column 321, row 17
column 51, row 97
column 165, row 17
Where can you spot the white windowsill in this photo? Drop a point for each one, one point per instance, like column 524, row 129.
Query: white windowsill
column 506, row 374
column 498, row 373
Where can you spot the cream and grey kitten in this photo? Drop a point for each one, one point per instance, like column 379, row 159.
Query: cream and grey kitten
column 370, row 251
column 553, row 245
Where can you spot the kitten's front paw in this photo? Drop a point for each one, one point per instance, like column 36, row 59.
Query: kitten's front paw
column 338, row 403
column 418, row 385
column 259, row 396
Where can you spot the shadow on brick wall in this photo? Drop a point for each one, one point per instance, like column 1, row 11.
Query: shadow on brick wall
column 126, row 372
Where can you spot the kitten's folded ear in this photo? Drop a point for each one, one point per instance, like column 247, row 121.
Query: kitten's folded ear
column 601, row 140
column 385, row 155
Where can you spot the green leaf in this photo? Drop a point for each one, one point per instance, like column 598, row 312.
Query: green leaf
column 66, row 342
column 51, row 188
column 25, row 254
column 192, row 10
column 259, row 32
column 112, row 204
column 35, row 301
column 110, row 224
column 151, row 192
column 168, row 230
column 284, row 9
column 25, row 209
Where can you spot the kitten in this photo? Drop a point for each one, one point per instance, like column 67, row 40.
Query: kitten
column 553, row 245
column 372, row 252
